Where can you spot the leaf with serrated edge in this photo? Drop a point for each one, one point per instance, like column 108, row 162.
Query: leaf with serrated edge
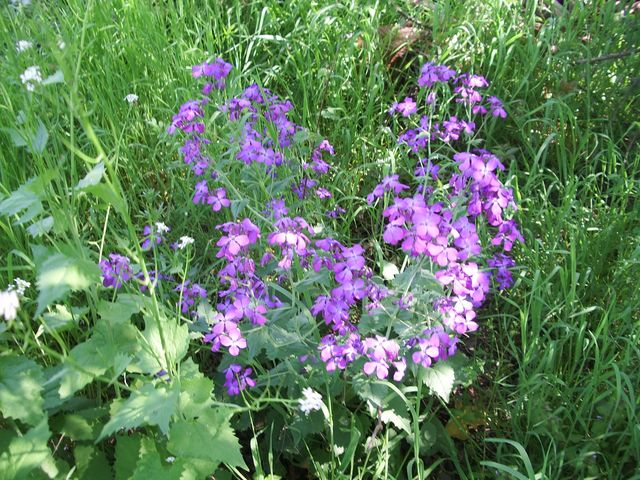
column 439, row 379
column 59, row 274
column 21, row 389
column 147, row 406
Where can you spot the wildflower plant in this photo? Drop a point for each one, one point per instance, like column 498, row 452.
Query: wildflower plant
column 285, row 307
column 446, row 211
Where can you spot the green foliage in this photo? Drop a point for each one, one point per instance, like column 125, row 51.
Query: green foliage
column 22, row 454
column 147, row 405
column 440, row 379
column 208, row 441
column 108, row 350
column 60, row 273
column 81, row 171
column 21, row 389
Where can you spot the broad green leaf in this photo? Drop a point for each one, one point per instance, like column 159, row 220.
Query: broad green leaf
column 108, row 349
column 75, row 427
column 150, row 465
column 108, row 195
column 196, row 390
column 389, row 271
column 91, row 463
column 40, row 139
column 17, row 138
column 122, row 309
column 127, row 455
column 30, row 213
column 440, row 379
column 155, row 355
column 146, row 406
column 21, row 199
column 403, row 423
column 210, row 438
column 59, row 274
column 374, row 393
column 60, row 319
column 83, row 424
column 27, row 453
column 93, row 177
column 21, row 389
column 40, row 227
column 376, row 321
column 237, row 206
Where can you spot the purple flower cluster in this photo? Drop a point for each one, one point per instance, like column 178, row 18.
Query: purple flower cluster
column 290, row 238
column 438, row 215
column 441, row 223
column 466, row 90
column 116, row 270
column 237, row 379
column 218, row 71
column 189, row 294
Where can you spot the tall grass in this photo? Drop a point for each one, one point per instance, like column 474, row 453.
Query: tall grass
column 561, row 382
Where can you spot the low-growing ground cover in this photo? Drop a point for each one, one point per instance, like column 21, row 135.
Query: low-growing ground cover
column 179, row 322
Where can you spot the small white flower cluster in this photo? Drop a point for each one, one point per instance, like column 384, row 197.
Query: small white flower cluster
column 162, row 227
column 30, row 77
column 17, row 3
column 10, row 299
column 184, row 241
column 22, row 45
column 131, row 98
column 310, row 401
column 19, row 285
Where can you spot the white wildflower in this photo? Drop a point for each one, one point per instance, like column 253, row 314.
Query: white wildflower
column 30, row 77
column 131, row 98
column 22, row 45
column 338, row 450
column 184, row 241
column 162, row 228
column 17, row 3
column 310, row 401
column 9, row 304
column 61, row 44
column 170, row 459
column 19, row 286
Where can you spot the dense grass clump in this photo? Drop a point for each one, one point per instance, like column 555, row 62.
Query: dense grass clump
column 114, row 273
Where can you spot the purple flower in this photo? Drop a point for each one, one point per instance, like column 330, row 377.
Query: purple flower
column 218, row 199
column 239, row 236
column 234, row 341
column 153, row 235
column 276, row 208
column 507, row 235
column 406, row 108
column 388, row 183
column 187, row 118
column 497, row 109
column 323, row 193
column 116, row 270
column 219, row 70
column 237, row 380
column 336, row 212
column 303, row 187
column 431, row 74
column 201, row 192
column 502, row 265
column 433, row 346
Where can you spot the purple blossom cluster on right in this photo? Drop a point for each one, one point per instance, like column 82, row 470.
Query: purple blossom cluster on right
column 457, row 195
